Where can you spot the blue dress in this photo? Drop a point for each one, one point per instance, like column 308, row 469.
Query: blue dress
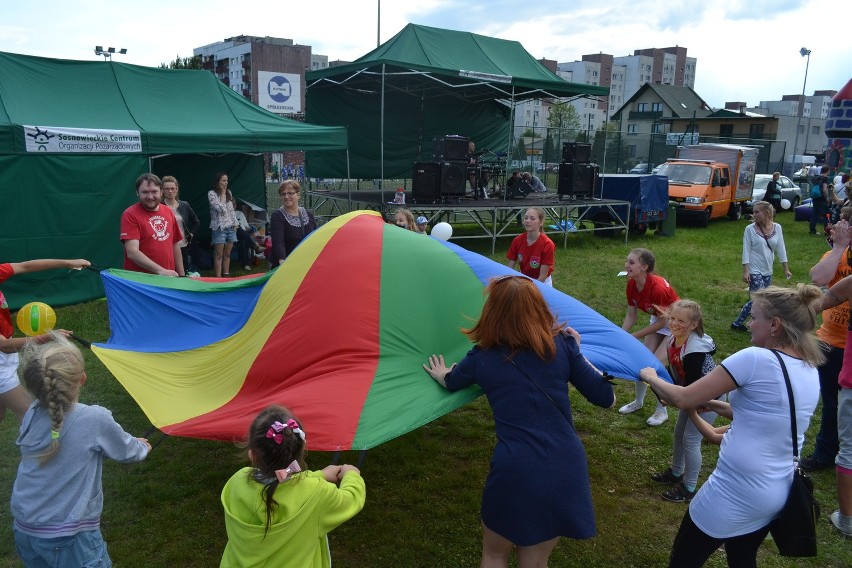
column 538, row 484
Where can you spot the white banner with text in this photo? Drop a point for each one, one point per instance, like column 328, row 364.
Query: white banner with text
column 61, row 139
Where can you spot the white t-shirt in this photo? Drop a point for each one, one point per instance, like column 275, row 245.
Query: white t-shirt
column 755, row 469
column 840, row 188
column 8, row 372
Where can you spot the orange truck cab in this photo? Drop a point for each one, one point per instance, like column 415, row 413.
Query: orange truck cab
column 707, row 181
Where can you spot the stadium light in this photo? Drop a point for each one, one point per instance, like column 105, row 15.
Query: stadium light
column 108, row 52
column 804, row 52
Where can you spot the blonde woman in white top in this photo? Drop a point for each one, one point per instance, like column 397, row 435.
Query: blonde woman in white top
column 762, row 241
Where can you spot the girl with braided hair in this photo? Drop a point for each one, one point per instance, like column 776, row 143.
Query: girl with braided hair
column 278, row 513
column 57, row 498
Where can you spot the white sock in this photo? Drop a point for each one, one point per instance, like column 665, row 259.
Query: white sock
column 641, row 389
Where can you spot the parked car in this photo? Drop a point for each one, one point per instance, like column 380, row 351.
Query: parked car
column 641, row 168
column 540, row 168
column 789, row 190
column 801, row 175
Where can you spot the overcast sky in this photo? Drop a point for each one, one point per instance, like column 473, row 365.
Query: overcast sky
column 746, row 50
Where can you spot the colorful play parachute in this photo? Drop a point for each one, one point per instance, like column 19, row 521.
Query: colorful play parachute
column 338, row 334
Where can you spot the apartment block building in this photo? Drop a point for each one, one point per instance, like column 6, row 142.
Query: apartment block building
column 269, row 71
column 624, row 75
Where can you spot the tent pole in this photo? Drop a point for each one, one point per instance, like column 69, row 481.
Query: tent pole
column 509, row 146
column 348, row 178
column 382, row 137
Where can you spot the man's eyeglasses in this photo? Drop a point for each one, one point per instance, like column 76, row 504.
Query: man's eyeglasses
column 288, row 193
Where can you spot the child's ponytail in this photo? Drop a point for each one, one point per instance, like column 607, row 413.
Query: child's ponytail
column 277, row 444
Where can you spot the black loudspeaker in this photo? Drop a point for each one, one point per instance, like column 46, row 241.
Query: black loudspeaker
column 519, row 190
column 577, row 180
column 573, row 152
column 426, row 182
column 453, row 178
column 450, row 148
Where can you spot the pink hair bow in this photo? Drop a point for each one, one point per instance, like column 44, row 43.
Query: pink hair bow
column 284, row 474
column 277, row 428
column 274, row 432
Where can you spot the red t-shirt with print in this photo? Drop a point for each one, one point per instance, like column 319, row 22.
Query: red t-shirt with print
column 156, row 232
column 656, row 292
column 530, row 257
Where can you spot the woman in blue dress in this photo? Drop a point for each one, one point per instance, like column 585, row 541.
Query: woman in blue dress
column 538, row 485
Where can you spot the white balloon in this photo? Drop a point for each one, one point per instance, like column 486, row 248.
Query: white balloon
column 442, row 231
column 785, row 204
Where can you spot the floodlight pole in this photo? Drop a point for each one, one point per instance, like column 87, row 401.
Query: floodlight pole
column 109, row 52
column 804, row 52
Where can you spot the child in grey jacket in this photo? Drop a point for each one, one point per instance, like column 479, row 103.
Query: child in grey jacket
column 57, row 498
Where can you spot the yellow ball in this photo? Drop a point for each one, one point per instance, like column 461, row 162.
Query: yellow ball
column 36, row 318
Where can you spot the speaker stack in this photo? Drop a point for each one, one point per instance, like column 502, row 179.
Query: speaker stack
column 450, row 148
column 446, row 174
column 577, row 176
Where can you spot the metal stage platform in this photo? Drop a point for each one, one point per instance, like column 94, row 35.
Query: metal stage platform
column 495, row 217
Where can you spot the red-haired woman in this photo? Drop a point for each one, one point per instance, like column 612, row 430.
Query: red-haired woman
column 537, row 488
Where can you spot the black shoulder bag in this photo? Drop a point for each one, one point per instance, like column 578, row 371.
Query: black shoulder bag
column 794, row 530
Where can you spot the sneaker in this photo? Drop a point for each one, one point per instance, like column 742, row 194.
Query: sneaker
column 658, row 418
column 738, row 327
column 630, row 408
column 810, row 464
column 667, row 477
column 842, row 523
column 678, row 494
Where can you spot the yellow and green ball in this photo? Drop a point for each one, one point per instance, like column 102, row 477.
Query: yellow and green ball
column 36, row 318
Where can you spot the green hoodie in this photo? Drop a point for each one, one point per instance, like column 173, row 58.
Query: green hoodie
column 309, row 507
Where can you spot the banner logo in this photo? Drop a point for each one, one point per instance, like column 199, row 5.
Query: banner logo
column 279, row 92
column 279, row 89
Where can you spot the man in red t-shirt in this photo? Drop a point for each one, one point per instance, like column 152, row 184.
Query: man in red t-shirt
column 150, row 233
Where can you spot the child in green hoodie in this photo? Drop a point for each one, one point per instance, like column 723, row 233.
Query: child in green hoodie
column 277, row 513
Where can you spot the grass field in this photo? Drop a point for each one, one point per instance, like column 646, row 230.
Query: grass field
column 424, row 488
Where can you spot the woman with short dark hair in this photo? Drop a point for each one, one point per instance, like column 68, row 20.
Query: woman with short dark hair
column 290, row 223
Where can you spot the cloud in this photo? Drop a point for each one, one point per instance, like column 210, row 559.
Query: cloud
column 759, row 9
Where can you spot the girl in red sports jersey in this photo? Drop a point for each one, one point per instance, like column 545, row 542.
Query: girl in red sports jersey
column 646, row 292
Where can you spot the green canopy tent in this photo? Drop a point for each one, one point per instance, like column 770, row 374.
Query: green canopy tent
column 426, row 82
column 75, row 135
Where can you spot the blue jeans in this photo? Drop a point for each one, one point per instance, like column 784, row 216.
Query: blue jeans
column 85, row 549
column 820, row 208
column 827, row 442
column 222, row 236
column 756, row 282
